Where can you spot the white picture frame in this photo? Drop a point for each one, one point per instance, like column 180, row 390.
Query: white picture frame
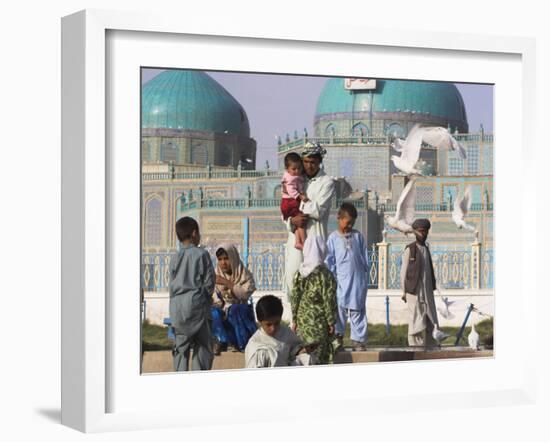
column 89, row 177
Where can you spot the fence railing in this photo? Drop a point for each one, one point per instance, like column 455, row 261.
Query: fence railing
column 206, row 203
column 454, row 269
column 364, row 139
column 208, row 174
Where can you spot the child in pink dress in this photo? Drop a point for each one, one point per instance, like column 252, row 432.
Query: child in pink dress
column 292, row 192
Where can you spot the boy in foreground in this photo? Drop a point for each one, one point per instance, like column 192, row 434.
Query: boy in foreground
column 274, row 344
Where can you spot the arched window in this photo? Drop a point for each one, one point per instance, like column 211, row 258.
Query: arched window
column 395, row 130
column 199, row 154
column 360, row 130
column 330, row 130
column 153, row 223
column 277, row 192
column 169, row 152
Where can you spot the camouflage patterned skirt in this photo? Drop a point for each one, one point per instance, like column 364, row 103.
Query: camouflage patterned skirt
column 314, row 309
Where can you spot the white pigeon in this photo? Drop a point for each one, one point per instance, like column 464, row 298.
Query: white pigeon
column 445, row 312
column 397, row 144
column 473, row 338
column 439, row 335
column 461, row 208
column 404, row 211
column 410, row 152
column 440, row 137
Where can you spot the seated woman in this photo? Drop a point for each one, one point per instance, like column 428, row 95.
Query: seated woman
column 232, row 314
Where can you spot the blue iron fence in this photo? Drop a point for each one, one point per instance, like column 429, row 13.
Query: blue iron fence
column 271, row 203
column 265, row 261
column 267, row 264
column 451, row 267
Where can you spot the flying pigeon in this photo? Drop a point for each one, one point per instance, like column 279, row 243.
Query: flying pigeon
column 410, row 151
column 461, row 208
column 445, row 312
column 473, row 338
column 404, row 212
column 397, row 144
column 440, row 137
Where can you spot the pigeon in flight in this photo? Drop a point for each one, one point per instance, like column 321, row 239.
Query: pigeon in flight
column 410, row 151
column 445, row 312
column 440, row 137
column 460, row 210
column 404, row 211
column 410, row 147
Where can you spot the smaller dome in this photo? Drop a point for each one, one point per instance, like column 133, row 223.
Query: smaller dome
column 185, row 99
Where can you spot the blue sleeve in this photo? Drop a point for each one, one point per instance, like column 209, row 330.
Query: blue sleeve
column 330, row 260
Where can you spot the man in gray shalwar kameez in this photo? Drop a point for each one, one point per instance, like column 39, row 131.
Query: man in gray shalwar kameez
column 418, row 282
column 192, row 282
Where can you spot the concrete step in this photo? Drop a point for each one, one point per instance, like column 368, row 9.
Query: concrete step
column 161, row 361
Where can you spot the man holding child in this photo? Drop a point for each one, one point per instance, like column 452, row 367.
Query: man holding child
column 319, row 190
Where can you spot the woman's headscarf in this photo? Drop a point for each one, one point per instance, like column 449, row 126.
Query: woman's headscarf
column 240, row 276
column 315, row 251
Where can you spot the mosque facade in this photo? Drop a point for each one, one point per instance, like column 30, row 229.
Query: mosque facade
column 198, row 160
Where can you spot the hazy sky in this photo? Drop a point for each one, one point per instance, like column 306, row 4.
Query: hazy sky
column 281, row 104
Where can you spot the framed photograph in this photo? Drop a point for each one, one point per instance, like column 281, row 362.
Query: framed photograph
column 158, row 126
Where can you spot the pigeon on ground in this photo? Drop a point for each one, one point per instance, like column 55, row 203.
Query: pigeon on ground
column 473, row 338
column 439, row 335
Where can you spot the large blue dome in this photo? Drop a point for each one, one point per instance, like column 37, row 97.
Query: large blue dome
column 435, row 99
column 185, row 99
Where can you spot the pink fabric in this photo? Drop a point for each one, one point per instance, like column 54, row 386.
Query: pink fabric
column 294, row 186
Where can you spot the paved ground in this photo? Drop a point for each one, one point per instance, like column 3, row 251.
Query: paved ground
column 161, row 361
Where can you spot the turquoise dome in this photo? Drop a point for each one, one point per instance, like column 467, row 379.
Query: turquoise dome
column 181, row 99
column 436, row 99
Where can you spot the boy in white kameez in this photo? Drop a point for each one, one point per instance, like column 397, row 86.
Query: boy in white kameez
column 274, row 344
column 418, row 282
column 347, row 259
column 191, row 285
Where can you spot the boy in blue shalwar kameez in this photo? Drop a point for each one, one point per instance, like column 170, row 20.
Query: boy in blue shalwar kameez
column 347, row 259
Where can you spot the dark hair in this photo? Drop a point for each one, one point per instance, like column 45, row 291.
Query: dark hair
column 269, row 306
column 185, row 227
column 349, row 209
column 314, row 155
column 292, row 157
column 221, row 251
